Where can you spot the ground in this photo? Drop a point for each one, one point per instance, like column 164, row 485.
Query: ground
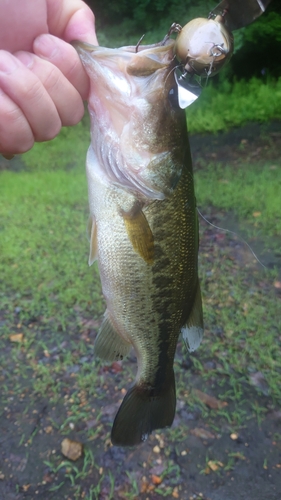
column 225, row 442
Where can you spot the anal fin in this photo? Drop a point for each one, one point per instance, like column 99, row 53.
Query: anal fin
column 192, row 331
column 140, row 235
column 109, row 345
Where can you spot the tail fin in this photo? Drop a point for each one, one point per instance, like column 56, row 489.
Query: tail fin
column 140, row 413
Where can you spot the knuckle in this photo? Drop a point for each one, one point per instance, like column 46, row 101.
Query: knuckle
column 51, row 130
column 33, row 93
column 15, row 133
column 75, row 113
column 16, row 139
column 52, row 79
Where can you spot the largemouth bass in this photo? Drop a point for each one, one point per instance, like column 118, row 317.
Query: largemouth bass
column 144, row 228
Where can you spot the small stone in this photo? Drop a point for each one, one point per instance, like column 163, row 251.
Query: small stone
column 71, row 449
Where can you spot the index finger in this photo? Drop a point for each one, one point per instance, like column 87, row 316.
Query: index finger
column 65, row 58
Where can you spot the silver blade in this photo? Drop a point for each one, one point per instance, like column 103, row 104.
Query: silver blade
column 188, row 89
column 239, row 13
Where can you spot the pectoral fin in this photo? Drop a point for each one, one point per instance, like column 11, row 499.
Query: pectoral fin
column 140, row 235
column 92, row 232
column 109, row 345
column 192, row 331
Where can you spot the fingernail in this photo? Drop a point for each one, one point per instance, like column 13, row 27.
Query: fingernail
column 26, row 58
column 8, row 63
column 45, row 46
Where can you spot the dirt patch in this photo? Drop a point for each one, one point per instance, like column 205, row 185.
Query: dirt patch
column 256, row 142
column 195, row 459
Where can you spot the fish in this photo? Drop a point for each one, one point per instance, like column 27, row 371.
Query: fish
column 143, row 225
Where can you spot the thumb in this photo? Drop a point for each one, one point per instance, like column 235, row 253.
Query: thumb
column 81, row 26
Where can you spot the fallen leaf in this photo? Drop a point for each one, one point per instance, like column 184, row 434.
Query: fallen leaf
column 48, row 429
column 202, row 433
column 175, row 493
column 156, row 479
column 144, row 485
column 214, row 466
column 25, row 487
column 16, row 337
column 211, row 401
column 71, row 449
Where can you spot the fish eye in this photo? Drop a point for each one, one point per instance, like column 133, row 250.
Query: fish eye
column 173, row 97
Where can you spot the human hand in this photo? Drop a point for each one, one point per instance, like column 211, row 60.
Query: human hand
column 43, row 83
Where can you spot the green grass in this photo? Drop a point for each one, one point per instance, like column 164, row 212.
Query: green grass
column 251, row 191
column 66, row 151
column 249, row 326
column 43, row 243
column 234, row 104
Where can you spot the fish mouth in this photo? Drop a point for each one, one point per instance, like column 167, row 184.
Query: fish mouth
column 127, row 101
column 83, row 46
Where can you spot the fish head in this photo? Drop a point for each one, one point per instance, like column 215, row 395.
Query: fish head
column 137, row 127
